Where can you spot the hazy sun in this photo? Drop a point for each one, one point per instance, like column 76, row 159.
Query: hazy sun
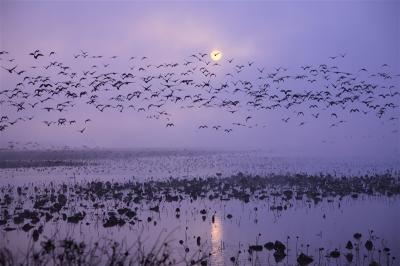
column 216, row 55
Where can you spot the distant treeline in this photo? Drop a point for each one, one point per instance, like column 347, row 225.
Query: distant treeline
column 4, row 164
column 95, row 154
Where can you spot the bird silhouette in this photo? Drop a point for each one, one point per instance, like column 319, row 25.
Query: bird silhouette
column 10, row 70
column 36, row 54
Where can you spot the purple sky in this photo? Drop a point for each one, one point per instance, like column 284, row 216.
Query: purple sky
column 272, row 34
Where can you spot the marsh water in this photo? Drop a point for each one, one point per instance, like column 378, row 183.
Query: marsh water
column 224, row 228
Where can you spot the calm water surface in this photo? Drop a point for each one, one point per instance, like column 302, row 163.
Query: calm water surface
column 228, row 227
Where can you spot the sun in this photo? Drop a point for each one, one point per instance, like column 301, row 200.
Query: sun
column 216, row 55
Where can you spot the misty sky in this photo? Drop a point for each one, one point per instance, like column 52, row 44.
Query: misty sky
column 273, row 34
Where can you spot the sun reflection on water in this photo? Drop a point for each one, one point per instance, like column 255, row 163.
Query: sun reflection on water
column 217, row 257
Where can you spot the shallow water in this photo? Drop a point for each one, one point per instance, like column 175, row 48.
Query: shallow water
column 328, row 224
column 154, row 164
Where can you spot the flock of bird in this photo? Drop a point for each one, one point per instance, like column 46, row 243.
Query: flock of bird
column 55, row 88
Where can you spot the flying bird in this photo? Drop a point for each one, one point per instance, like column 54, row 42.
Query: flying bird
column 10, row 70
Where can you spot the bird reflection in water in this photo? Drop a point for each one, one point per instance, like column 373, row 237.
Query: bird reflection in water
column 217, row 245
